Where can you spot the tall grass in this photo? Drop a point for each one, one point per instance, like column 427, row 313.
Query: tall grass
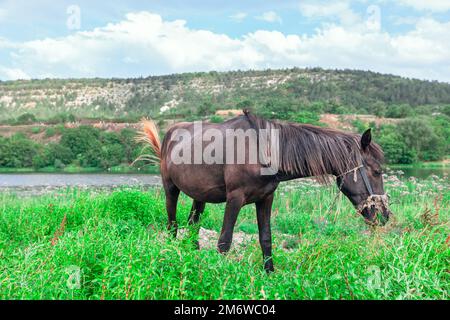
column 75, row 244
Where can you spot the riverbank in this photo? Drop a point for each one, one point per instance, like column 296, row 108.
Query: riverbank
column 48, row 182
column 430, row 164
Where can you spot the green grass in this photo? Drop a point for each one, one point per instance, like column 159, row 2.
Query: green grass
column 118, row 245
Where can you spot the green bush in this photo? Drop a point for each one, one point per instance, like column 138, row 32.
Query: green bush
column 17, row 152
column 62, row 118
column 205, row 109
column 36, row 130
column 58, row 164
column 81, row 140
column 84, row 146
column 26, row 118
column 399, row 111
column 441, row 127
column 216, row 119
column 359, row 125
column 306, row 117
column 379, row 109
column 50, row 132
column 419, row 135
column 126, row 205
column 39, row 161
column 245, row 104
column 394, row 146
column 56, row 151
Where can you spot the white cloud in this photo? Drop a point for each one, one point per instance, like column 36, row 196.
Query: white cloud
column 397, row 20
column 330, row 9
column 144, row 44
column 427, row 5
column 154, row 45
column 270, row 16
column 13, row 74
column 238, row 16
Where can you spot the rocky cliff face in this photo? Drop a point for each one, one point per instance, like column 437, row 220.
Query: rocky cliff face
column 153, row 95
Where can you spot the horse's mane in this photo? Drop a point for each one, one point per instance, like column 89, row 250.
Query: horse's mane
column 306, row 150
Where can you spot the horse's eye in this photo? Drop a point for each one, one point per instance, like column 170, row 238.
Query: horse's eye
column 377, row 172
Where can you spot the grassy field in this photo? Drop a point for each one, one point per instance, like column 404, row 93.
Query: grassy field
column 75, row 244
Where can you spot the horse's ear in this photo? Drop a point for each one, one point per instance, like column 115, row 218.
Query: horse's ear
column 366, row 139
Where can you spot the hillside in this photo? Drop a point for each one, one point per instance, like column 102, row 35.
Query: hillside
column 191, row 94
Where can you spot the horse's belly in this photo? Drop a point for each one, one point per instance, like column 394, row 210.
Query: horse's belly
column 200, row 182
column 209, row 196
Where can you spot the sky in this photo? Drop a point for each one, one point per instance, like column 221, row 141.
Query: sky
column 134, row 38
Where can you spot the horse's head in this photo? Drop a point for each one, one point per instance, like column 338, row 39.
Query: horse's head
column 363, row 185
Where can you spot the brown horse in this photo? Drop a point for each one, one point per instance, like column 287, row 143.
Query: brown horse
column 302, row 151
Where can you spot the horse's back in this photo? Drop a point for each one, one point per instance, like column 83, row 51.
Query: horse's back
column 201, row 181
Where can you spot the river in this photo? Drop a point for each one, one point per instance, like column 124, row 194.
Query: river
column 422, row 173
column 38, row 183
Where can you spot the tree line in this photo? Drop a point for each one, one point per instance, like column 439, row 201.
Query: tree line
column 422, row 138
column 85, row 147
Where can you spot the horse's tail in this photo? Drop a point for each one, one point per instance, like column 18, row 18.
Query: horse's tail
column 150, row 137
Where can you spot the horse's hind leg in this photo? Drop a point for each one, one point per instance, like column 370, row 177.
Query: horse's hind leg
column 197, row 209
column 172, row 192
column 263, row 212
column 194, row 217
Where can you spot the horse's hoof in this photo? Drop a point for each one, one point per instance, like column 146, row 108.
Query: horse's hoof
column 269, row 270
column 173, row 231
column 223, row 248
column 268, row 266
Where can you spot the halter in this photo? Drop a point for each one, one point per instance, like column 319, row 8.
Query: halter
column 363, row 171
column 377, row 200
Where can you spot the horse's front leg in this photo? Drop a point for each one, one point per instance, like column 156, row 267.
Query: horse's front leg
column 194, row 218
column 232, row 208
column 263, row 212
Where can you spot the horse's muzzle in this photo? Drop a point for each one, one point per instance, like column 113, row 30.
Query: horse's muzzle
column 374, row 217
column 383, row 218
column 375, row 210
